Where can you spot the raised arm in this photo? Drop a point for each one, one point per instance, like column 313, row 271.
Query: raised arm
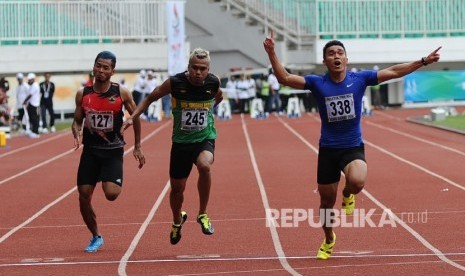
column 400, row 70
column 284, row 77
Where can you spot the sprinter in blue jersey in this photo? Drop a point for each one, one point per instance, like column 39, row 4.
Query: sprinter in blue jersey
column 339, row 95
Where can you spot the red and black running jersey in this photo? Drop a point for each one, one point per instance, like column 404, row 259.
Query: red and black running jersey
column 103, row 118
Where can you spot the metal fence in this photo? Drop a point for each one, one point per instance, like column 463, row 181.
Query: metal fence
column 81, row 21
column 358, row 18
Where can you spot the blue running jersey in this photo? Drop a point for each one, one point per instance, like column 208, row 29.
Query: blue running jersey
column 340, row 106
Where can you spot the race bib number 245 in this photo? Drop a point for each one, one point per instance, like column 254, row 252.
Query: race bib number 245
column 194, row 119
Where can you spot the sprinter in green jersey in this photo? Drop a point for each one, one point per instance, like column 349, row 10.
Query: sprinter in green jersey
column 194, row 95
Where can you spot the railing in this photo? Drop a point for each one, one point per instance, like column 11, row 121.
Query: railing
column 357, row 18
column 81, row 21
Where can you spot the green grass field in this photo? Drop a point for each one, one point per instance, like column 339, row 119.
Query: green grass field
column 455, row 122
column 61, row 125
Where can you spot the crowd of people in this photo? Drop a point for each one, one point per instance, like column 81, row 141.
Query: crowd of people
column 242, row 89
column 33, row 101
column 145, row 83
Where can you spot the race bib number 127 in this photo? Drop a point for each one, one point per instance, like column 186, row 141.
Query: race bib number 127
column 100, row 120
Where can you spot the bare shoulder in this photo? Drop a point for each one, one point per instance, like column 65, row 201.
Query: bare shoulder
column 125, row 93
column 79, row 93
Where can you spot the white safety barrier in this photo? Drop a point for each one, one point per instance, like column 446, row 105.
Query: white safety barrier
column 224, row 111
column 293, row 108
column 155, row 111
column 257, row 111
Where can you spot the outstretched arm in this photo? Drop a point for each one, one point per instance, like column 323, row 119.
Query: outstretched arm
column 400, row 70
column 157, row 93
column 285, row 78
column 130, row 106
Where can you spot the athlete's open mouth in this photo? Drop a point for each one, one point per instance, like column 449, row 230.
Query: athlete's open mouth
column 337, row 62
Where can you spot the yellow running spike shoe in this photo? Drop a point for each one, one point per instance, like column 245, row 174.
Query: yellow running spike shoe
column 205, row 224
column 326, row 249
column 348, row 204
column 175, row 234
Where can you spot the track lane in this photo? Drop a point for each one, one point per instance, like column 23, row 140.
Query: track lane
column 380, row 173
column 240, row 250
column 236, row 212
column 62, row 223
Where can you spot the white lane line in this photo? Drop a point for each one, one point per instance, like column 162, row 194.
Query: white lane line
column 50, row 205
column 36, row 215
column 420, row 238
column 38, row 143
column 36, row 166
column 389, row 116
column 414, row 233
column 124, row 260
column 443, row 178
column 274, row 233
column 61, row 261
column 416, row 138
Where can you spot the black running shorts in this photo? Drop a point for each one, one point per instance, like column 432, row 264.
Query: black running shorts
column 331, row 161
column 97, row 165
column 184, row 156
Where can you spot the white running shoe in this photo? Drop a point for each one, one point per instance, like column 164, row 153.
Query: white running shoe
column 33, row 135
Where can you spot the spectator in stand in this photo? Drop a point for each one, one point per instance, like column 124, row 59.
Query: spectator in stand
column 242, row 90
column 4, row 109
column 32, row 103
column 22, row 90
column 47, row 89
column 139, row 87
column 4, row 84
column 265, row 91
column 273, row 98
column 166, row 102
column 252, row 90
column 151, row 84
column 231, row 93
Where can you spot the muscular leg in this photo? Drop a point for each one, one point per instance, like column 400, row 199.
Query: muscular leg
column 203, row 163
column 328, row 194
column 87, row 212
column 355, row 173
column 111, row 190
column 177, row 197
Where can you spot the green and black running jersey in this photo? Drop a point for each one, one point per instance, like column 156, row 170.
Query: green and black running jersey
column 193, row 108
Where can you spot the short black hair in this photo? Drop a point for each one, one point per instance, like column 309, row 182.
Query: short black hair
column 107, row 55
column 332, row 43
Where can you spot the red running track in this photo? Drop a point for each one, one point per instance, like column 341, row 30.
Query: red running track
column 412, row 206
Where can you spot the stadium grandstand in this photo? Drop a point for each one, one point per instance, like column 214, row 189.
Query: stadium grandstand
column 63, row 36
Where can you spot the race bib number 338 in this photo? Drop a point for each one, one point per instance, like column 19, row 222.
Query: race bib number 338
column 194, row 119
column 100, row 120
column 340, row 107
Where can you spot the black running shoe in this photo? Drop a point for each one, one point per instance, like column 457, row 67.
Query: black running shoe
column 175, row 235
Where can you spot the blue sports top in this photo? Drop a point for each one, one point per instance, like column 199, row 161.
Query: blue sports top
column 340, row 106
